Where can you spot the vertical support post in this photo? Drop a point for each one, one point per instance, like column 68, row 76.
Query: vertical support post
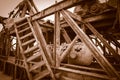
column 56, row 39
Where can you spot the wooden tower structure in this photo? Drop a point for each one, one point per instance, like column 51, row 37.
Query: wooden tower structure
column 79, row 45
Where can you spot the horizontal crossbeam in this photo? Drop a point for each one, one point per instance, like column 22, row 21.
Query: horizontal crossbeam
column 65, row 4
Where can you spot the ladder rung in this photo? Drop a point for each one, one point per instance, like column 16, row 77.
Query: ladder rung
column 33, row 57
column 41, row 75
column 28, row 42
column 37, row 65
column 22, row 24
column 24, row 30
column 21, row 20
column 31, row 49
column 29, row 34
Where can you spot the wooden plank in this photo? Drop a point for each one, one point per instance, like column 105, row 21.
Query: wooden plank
column 40, row 38
column 22, row 25
column 37, row 32
column 65, row 35
column 32, row 8
column 92, row 19
column 66, row 52
column 74, row 16
column 41, row 75
column 97, row 34
column 28, row 42
column 57, row 29
column 84, row 73
column 46, row 54
column 65, row 4
column 33, row 4
column 96, row 53
column 23, row 30
column 23, row 11
column 37, row 65
column 27, row 35
column 34, row 56
column 20, row 45
column 117, row 57
column 46, row 25
column 83, row 67
column 31, row 49
column 56, row 39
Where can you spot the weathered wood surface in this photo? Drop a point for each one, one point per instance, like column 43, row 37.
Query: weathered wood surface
column 96, row 53
column 65, row 4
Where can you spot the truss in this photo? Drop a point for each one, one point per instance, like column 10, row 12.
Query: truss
column 50, row 65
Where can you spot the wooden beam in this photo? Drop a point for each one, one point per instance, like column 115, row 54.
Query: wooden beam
column 65, row 4
column 23, row 11
column 66, row 52
column 42, row 40
column 33, row 4
column 90, row 19
column 20, row 45
column 38, row 31
column 96, row 53
column 65, row 35
column 93, row 19
column 97, row 34
column 82, row 67
column 84, row 73
column 46, row 25
column 74, row 16
column 57, row 29
column 32, row 8
column 56, row 39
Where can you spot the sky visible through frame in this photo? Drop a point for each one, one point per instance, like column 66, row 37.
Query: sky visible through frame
column 7, row 6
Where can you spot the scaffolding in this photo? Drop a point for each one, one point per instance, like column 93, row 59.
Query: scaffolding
column 75, row 46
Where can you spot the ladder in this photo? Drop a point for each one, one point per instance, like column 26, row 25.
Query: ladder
column 35, row 61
